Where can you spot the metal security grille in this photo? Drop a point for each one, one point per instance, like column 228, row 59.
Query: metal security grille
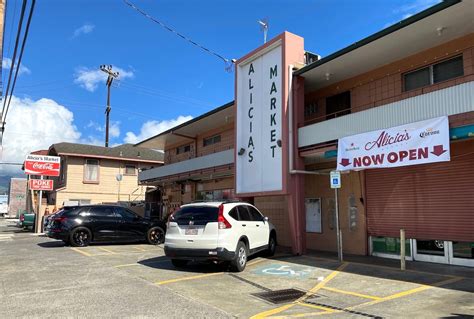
column 280, row 296
column 432, row 202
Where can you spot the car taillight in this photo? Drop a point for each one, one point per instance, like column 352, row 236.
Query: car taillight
column 59, row 219
column 22, row 218
column 170, row 218
column 222, row 222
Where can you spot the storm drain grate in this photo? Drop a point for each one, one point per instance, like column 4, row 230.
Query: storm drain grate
column 280, row 296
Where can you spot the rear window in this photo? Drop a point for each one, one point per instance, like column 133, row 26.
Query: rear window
column 199, row 215
column 68, row 212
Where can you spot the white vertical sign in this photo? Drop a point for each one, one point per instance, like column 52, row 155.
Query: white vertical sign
column 259, row 121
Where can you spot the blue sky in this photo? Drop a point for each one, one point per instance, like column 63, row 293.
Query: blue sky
column 60, row 93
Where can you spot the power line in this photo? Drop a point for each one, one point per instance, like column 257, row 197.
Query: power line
column 11, row 26
column 25, row 37
column 229, row 63
column 20, row 25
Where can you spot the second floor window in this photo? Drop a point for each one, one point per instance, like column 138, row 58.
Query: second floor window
column 433, row 74
column 338, row 105
column 211, row 140
column 91, row 170
column 183, row 149
column 130, row 169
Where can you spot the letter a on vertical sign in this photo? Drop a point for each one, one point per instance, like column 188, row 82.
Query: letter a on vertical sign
column 259, row 122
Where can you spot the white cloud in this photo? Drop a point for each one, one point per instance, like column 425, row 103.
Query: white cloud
column 406, row 11
column 416, row 6
column 89, row 78
column 151, row 128
column 84, row 29
column 7, row 64
column 35, row 125
column 114, row 128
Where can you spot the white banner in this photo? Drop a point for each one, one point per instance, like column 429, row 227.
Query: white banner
column 411, row 144
column 259, row 124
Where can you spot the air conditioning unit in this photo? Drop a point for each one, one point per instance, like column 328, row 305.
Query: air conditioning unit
column 310, row 57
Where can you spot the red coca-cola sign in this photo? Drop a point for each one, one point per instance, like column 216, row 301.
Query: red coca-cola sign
column 42, row 165
column 41, row 184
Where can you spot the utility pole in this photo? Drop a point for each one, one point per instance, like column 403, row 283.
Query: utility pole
column 111, row 75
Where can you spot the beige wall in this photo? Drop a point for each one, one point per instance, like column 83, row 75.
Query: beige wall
column 106, row 190
column 354, row 240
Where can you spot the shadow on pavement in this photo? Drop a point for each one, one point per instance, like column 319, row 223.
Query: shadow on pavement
column 52, row 244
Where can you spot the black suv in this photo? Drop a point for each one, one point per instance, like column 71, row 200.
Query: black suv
column 82, row 225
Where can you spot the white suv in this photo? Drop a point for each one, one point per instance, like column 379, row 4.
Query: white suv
column 219, row 231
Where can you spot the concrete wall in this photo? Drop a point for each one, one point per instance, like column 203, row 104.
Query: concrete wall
column 17, row 197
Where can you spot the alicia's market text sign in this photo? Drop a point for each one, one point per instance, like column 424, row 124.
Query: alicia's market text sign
column 259, row 124
column 42, row 165
column 416, row 143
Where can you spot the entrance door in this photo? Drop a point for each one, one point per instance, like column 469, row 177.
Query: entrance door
column 445, row 252
column 435, row 251
column 461, row 253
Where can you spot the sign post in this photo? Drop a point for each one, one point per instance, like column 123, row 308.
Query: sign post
column 335, row 181
column 41, row 165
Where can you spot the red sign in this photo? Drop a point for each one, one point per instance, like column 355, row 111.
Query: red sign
column 41, row 184
column 42, row 165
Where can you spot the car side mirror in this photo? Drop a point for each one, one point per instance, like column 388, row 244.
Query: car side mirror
column 265, row 219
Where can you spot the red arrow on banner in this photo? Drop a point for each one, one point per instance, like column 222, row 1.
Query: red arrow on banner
column 438, row 150
column 344, row 162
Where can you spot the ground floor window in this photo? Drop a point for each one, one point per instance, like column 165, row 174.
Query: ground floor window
column 389, row 246
column 218, row 194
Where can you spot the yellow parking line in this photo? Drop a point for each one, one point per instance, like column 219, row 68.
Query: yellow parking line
column 316, row 307
column 165, row 282
column 345, row 292
column 187, row 278
column 408, row 292
column 301, row 299
column 107, row 250
column 85, row 253
column 139, row 248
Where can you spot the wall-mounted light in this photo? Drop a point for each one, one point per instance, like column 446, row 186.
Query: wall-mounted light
column 279, row 143
column 241, row 151
column 328, row 76
column 440, row 30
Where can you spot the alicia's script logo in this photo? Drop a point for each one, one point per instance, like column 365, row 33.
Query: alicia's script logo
column 43, row 166
column 386, row 139
column 429, row 132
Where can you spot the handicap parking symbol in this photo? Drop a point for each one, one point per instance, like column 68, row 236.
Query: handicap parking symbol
column 284, row 271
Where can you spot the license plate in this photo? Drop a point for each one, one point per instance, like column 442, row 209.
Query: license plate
column 191, row 231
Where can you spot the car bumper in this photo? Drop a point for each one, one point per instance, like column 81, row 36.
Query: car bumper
column 199, row 254
column 57, row 234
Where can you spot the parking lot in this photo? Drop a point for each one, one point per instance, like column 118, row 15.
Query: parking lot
column 43, row 278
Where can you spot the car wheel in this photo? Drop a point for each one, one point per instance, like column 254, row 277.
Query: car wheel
column 271, row 245
column 240, row 260
column 156, row 236
column 80, row 237
column 179, row 262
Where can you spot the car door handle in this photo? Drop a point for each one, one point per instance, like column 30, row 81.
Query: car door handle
column 243, row 225
column 258, row 225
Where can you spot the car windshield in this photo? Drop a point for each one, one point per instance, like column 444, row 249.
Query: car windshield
column 199, row 215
